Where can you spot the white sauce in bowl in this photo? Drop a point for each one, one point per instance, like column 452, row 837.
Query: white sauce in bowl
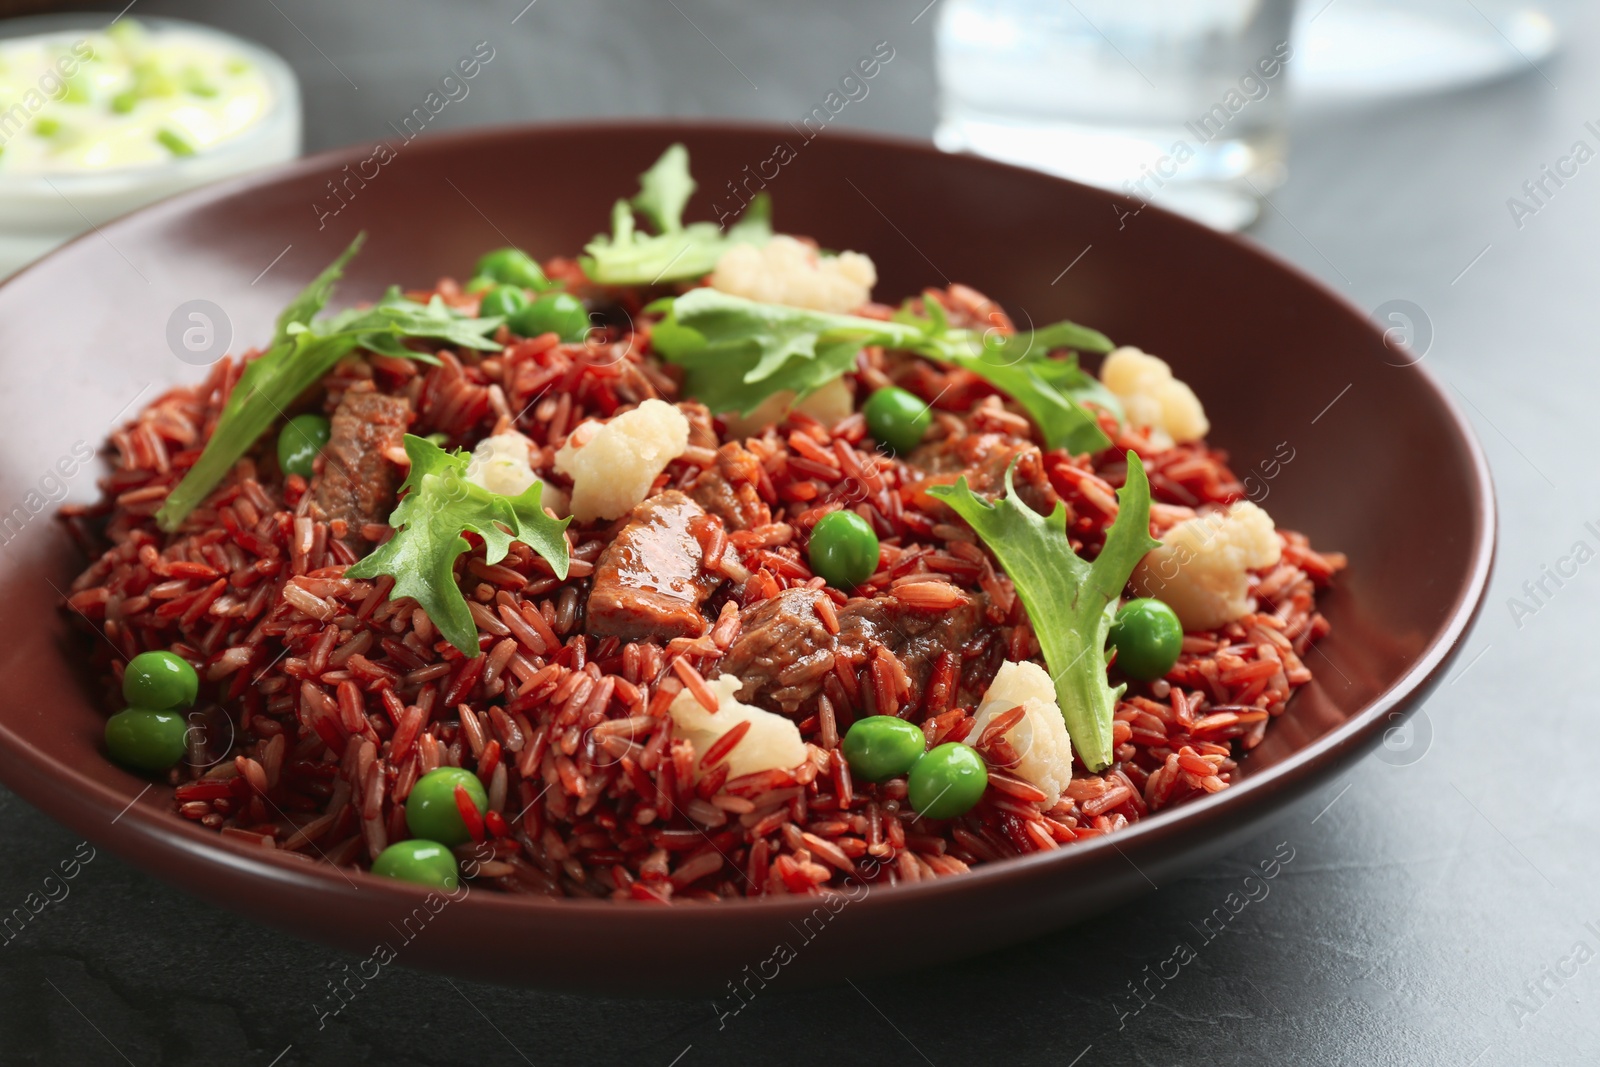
column 120, row 98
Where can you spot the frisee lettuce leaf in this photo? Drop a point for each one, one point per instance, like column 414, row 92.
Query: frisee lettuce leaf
column 736, row 353
column 302, row 352
column 675, row 251
column 1070, row 601
column 438, row 504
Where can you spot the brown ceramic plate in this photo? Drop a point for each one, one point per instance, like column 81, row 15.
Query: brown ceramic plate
column 1384, row 468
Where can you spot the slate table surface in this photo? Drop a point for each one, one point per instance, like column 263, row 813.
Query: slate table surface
column 1441, row 903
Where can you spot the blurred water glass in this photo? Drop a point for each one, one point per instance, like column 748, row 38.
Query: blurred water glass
column 1354, row 51
column 1174, row 102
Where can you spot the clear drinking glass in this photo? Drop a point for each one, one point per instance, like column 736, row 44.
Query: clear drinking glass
column 1173, row 102
column 1357, row 50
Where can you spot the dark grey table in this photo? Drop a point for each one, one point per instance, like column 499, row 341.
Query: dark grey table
column 1441, row 903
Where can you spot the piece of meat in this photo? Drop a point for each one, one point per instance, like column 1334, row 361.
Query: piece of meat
column 359, row 480
column 649, row 581
column 728, row 490
column 702, row 431
column 915, row 636
column 784, row 653
column 983, row 459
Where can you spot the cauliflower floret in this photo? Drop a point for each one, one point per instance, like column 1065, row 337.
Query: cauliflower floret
column 501, row 464
column 1040, row 739
column 787, row 271
column 1202, row 569
column 1153, row 398
column 772, row 743
column 612, row 464
column 828, row 405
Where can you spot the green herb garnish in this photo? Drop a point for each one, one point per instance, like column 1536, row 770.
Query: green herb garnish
column 437, row 506
column 737, row 353
column 1069, row 601
column 1018, row 364
column 301, row 353
column 674, row 252
column 175, row 142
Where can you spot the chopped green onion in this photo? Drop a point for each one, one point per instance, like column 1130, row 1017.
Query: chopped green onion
column 175, row 142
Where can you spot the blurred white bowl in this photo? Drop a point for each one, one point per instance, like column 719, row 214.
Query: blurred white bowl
column 40, row 211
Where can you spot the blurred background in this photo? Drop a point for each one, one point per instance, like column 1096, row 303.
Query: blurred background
column 1189, row 105
column 1400, row 151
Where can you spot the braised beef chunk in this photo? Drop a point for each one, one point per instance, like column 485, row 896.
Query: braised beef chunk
column 359, row 480
column 728, row 490
column 648, row 581
column 983, row 458
column 784, row 652
column 702, row 431
column 916, row 637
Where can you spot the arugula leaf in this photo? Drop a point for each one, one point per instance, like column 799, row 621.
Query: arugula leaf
column 302, row 352
column 665, row 189
column 1062, row 421
column 1034, row 348
column 381, row 327
column 1066, row 376
column 1069, row 601
column 738, row 352
column 314, row 297
column 675, row 252
column 1039, row 343
column 437, row 506
column 1020, row 366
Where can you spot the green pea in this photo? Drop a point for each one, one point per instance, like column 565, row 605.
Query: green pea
column 843, row 550
column 423, row 862
column 481, row 283
column 947, row 781
column 1148, row 637
column 559, row 313
column 512, row 266
column 301, row 438
column 881, row 747
column 897, row 418
column 145, row 739
column 431, row 810
column 159, row 680
column 501, row 302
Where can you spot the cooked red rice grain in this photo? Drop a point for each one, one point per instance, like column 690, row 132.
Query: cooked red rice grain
column 827, row 723
column 469, row 813
column 342, row 698
column 719, row 750
column 695, row 683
